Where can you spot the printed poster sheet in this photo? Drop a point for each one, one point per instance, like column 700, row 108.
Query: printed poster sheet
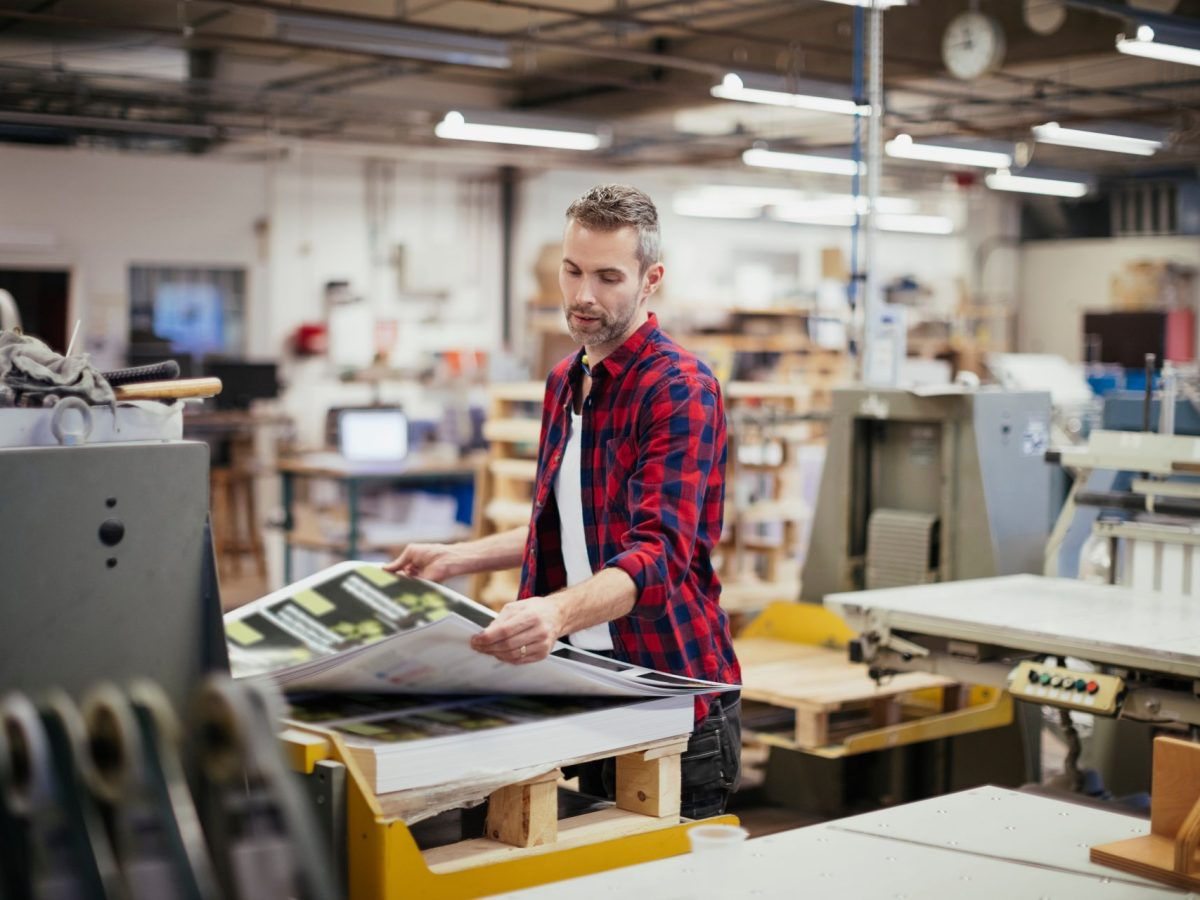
column 355, row 628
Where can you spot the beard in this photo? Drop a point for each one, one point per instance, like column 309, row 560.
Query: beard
column 607, row 327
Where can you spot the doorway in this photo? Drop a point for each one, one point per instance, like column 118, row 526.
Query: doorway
column 42, row 298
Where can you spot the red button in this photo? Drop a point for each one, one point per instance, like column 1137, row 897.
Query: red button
column 1092, row 687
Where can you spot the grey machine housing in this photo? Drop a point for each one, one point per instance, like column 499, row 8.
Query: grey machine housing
column 974, row 461
column 108, row 567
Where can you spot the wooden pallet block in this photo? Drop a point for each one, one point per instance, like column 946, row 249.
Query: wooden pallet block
column 523, row 817
column 830, row 697
column 1168, row 853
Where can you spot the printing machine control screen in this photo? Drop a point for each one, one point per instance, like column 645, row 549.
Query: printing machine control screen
column 1055, row 686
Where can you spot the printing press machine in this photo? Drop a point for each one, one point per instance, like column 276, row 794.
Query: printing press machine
column 1131, row 654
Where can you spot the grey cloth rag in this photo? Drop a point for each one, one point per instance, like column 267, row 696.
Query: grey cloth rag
column 28, row 366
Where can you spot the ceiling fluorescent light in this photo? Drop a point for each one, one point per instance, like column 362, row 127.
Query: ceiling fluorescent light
column 389, row 39
column 745, row 194
column 700, row 207
column 843, row 205
column 895, row 222
column 801, row 216
column 867, row 4
column 915, row 224
column 1025, row 184
column 801, row 162
column 904, row 147
column 732, row 87
column 1167, row 47
column 1053, row 133
column 455, row 127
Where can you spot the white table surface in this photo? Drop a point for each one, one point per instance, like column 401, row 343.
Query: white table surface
column 1100, row 623
column 983, row 843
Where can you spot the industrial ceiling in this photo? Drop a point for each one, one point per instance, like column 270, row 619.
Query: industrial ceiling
column 214, row 76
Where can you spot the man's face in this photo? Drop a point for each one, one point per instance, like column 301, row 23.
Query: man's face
column 604, row 294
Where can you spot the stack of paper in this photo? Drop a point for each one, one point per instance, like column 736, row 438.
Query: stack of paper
column 355, row 627
column 408, row 743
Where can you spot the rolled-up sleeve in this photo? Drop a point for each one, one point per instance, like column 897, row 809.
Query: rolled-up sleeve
column 678, row 445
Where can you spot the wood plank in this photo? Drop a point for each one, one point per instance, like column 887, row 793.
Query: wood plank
column 648, row 786
column 753, row 651
column 525, row 814
column 1151, row 856
column 1175, row 784
column 521, row 431
column 812, row 729
column 518, row 391
column 578, row 831
column 520, row 469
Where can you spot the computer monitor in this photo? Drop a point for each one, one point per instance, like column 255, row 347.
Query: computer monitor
column 243, row 381
column 374, row 435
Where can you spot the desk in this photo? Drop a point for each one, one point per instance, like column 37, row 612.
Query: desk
column 415, row 471
column 983, row 843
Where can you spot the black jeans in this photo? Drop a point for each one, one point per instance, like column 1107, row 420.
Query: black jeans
column 710, row 768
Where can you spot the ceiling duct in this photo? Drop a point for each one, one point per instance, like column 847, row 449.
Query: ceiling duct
column 387, row 39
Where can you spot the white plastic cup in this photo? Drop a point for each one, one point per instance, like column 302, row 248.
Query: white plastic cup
column 716, row 838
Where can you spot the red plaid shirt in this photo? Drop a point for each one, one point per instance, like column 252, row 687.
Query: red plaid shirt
column 652, row 480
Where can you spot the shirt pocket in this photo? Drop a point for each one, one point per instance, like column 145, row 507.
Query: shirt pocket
column 620, row 457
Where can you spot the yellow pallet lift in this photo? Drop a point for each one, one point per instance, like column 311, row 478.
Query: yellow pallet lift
column 383, row 861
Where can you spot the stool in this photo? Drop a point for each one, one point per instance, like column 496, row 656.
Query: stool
column 234, row 511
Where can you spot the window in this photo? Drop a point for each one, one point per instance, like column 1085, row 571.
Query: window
column 187, row 310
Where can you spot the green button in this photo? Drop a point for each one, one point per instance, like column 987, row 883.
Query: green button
column 1045, row 678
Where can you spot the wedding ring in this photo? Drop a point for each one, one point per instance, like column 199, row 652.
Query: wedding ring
column 522, row 651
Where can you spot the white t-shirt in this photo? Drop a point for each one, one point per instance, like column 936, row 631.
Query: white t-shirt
column 567, row 493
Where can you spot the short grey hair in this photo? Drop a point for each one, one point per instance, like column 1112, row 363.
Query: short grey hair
column 608, row 207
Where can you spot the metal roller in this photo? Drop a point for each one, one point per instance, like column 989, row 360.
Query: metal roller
column 134, row 738
column 87, row 858
column 266, row 840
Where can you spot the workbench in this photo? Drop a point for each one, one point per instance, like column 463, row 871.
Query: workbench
column 416, row 471
column 983, row 843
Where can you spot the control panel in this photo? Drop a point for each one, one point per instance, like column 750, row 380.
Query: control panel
column 1054, row 686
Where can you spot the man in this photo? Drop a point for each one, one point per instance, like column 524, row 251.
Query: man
column 628, row 499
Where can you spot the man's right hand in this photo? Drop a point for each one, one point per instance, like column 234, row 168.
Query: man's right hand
column 433, row 562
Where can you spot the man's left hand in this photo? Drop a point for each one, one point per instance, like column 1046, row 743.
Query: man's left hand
column 524, row 631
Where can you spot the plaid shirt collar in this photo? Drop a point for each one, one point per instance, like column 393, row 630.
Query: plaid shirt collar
column 620, row 359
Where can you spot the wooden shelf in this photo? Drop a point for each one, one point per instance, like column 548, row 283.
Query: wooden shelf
column 519, row 391
column 517, row 469
column 765, row 511
column 512, row 431
column 508, row 513
column 749, row 390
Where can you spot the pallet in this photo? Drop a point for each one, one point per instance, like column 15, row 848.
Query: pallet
column 808, row 697
column 384, row 861
column 1168, row 853
column 522, row 818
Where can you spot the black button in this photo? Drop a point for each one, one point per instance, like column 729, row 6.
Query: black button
column 111, row 532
